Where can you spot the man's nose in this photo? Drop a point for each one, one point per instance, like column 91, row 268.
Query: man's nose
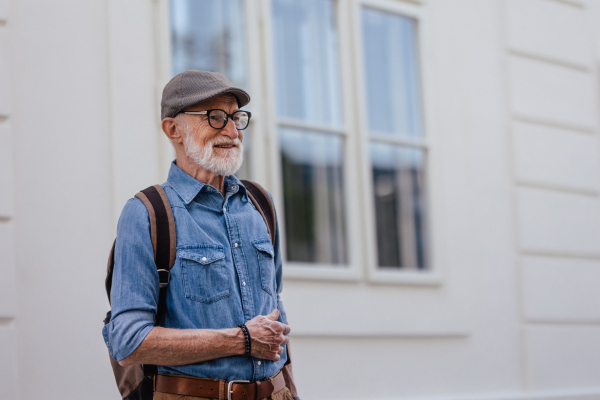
column 230, row 130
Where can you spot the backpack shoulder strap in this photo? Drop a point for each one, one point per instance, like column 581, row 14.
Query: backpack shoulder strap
column 263, row 203
column 162, row 235
column 164, row 240
column 162, row 226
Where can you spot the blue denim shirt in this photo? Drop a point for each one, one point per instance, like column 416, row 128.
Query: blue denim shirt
column 226, row 273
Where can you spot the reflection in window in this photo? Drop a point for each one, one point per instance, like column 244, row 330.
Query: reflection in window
column 209, row 35
column 312, row 166
column 393, row 103
column 392, row 81
column 306, row 56
column 398, row 186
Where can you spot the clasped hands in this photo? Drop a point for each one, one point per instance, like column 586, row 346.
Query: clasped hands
column 268, row 336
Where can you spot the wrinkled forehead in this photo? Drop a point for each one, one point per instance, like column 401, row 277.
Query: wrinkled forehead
column 225, row 101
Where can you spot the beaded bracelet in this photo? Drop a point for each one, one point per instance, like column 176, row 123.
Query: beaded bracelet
column 248, row 339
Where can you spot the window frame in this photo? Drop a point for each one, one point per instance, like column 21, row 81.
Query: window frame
column 347, row 272
column 376, row 274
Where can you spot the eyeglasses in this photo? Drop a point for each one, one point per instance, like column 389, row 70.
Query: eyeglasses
column 218, row 118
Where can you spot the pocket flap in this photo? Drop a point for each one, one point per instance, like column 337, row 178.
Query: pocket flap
column 264, row 245
column 204, row 255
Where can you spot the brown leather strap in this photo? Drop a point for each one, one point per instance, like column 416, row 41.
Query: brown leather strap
column 211, row 388
column 262, row 202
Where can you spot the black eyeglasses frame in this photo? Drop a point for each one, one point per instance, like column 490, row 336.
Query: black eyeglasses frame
column 208, row 112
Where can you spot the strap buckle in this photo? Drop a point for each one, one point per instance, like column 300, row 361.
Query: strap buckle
column 164, row 277
column 230, row 386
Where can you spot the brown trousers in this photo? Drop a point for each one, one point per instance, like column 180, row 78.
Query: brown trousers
column 283, row 394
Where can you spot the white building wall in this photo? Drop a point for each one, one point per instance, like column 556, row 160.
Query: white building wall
column 60, row 122
column 512, row 117
column 554, row 109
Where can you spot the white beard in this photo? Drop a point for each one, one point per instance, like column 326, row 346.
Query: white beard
column 206, row 157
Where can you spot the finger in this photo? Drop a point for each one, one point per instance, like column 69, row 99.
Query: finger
column 286, row 340
column 286, row 329
column 280, row 339
column 280, row 351
column 273, row 315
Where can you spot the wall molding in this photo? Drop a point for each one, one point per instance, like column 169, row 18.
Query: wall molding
column 558, row 395
column 550, row 60
column 449, row 334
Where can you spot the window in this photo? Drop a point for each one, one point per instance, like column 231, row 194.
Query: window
column 310, row 129
column 338, row 121
column 396, row 146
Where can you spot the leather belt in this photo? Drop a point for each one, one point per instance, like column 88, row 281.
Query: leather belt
column 218, row 388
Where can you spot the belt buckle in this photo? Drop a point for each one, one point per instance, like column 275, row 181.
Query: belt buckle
column 230, row 386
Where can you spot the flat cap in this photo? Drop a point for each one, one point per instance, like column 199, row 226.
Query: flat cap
column 191, row 87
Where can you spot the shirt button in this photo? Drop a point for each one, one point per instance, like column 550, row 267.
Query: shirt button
column 203, row 258
column 235, row 245
column 258, row 363
column 224, row 209
column 244, row 283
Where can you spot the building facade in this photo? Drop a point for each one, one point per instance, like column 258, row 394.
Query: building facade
column 435, row 166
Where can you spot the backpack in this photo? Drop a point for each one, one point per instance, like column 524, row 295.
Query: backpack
column 136, row 382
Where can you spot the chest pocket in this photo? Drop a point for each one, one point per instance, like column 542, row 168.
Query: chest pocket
column 264, row 252
column 204, row 273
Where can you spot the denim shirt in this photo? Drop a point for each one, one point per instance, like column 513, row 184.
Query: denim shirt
column 226, row 272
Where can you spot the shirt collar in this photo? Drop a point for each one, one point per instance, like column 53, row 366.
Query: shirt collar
column 188, row 187
column 233, row 180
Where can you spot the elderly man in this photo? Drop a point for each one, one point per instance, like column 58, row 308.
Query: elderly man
column 226, row 272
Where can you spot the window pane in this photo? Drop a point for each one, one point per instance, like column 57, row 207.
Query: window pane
column 391, row 74
column 209, row 35
column 399, row 206
column 306, row 60
column 313, row 186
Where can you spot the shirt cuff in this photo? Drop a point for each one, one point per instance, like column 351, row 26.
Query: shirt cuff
column 126, row 332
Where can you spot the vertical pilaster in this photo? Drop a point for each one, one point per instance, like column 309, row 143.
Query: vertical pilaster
column 554, row 110
column 7, row 253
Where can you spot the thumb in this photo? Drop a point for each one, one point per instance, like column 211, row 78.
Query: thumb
column 273, row 315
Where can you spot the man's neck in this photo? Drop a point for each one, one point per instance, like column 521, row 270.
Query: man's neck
column 199, row 173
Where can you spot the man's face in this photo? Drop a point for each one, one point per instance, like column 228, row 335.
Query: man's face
column 219, row 151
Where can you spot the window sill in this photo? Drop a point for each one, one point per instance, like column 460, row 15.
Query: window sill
column 310, row 271
column 399, row 277
column 388, row 276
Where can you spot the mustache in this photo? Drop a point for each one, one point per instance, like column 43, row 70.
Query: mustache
column 225, row 141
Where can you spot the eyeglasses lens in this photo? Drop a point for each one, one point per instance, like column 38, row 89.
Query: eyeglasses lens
column 217, row 119
column 240, row 119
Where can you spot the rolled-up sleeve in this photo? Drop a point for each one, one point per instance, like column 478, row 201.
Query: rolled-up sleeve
column 135, row 285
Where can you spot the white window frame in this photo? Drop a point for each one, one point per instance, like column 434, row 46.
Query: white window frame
column 351, row 271
column 359, row 210
column 376, row 274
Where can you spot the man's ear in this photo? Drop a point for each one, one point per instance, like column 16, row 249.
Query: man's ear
column 172, row 129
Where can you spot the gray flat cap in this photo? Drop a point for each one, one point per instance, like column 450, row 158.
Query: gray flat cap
column 191, row 87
